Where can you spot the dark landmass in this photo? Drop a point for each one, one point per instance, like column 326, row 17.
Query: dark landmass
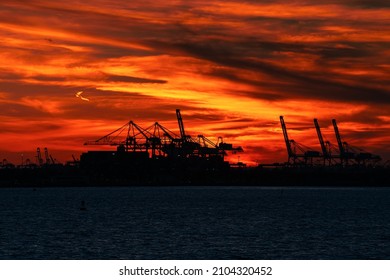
column 137, row 169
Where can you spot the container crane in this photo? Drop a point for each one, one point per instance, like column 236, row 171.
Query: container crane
column 153, row 142
column 168, row 143
column 47, row 157
column 181, row 125
column 169, row 135
column 158, row 141
column 345, row 154
column 348, row 152
column 305, row 152
column 291, row 154
column 39, row 157
column 129, row 137
column 325, row 145
column 209, row 148
column 227, row 146
column 188, row 146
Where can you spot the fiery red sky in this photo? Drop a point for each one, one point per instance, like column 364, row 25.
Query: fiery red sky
column 232, row 67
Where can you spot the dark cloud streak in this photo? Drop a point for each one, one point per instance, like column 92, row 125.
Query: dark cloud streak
column 309, row 85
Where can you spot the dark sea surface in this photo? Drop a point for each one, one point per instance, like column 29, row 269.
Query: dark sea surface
column 195, row 223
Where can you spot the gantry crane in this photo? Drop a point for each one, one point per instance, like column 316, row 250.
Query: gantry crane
column 188, row 146
column 345, row 155
column 325, row 145
column 202, row 146
column 47, row 157
column 39, row 157
column 290, row 153
column 348, row 153
column 183, row 135
column 166, row 141
column 129, row 137
column 293, row 147
column 162, row 142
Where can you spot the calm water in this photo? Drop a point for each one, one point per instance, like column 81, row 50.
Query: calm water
column 195, row 223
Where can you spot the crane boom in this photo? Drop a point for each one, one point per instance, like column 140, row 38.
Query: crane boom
column 181, row 124
column 321, row 139
column 39, row 156
column 338, row 137
column 140, row 130
column 172, row 136
column 288, row 143
column 47, row 158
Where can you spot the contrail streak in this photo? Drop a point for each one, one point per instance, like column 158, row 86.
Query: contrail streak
column 78, row 94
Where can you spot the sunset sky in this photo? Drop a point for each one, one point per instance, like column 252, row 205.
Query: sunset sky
column 232, row 67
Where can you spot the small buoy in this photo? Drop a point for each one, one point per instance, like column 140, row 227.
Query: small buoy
column 82, row 206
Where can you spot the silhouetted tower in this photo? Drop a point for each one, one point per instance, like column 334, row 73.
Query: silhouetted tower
column 39, row 157
column 166, row 132
column 324, row 145
column 141, row 131
column 181, row 125
column 338, row 137
column 47, row 158
column 345, row 155
column 290, row 152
